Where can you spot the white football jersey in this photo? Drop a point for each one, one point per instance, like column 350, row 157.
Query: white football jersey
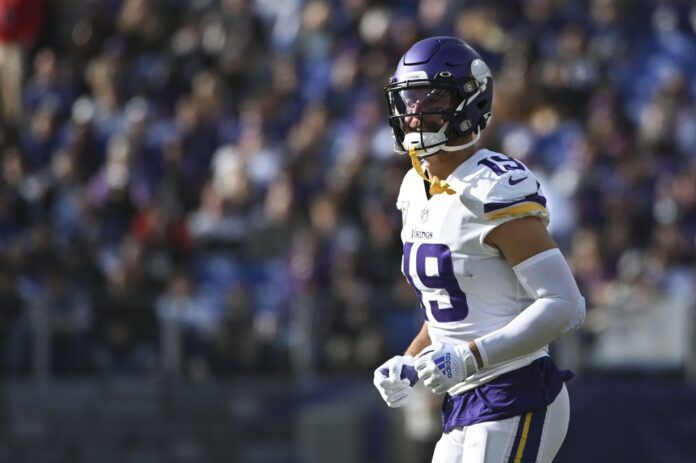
column 466, row 288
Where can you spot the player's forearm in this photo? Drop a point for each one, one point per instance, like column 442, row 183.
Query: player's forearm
column 420, row 342
column 559, row 307
column 533, row 329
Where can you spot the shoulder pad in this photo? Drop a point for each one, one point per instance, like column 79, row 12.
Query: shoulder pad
column 502, row 188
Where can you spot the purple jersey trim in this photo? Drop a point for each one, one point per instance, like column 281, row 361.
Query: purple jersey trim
column 527, row 389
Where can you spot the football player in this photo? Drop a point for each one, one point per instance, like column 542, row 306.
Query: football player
column 494, row 289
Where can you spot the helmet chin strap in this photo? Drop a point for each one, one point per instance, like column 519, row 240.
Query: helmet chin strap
column 473, row 141
column 414, row 139
column 432, row 140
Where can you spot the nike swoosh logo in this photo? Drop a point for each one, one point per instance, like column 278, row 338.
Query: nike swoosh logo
column 515, row 181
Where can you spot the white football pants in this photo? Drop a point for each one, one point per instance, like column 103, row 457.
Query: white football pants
column 528, row 438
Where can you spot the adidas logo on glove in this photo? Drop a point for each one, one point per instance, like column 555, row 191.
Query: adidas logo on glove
column 444, row 364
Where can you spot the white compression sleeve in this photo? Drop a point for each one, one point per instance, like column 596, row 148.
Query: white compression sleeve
column 559, row 307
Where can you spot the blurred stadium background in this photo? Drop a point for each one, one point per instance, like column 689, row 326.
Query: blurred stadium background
column 199, row 249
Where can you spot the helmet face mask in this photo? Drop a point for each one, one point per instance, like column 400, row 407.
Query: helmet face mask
column 426, row 108
column 419, row 112
column 440, row 93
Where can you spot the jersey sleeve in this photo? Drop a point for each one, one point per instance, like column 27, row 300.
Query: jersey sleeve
column 496, row 195
column 514, row 195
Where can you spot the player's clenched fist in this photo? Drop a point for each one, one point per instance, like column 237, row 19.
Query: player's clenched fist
column 442, row 366
column 394, row 380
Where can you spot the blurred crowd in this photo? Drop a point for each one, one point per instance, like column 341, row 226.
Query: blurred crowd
column 221, row 173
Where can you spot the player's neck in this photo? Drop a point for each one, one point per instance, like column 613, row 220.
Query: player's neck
column 443, row 163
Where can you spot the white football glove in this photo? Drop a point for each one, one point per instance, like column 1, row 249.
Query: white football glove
column 441, row 366
column 394, row 380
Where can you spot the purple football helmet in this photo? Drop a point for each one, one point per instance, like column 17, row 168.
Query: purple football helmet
column 441, row 92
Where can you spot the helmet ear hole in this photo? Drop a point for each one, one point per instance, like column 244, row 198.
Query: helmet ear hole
column 481, row 104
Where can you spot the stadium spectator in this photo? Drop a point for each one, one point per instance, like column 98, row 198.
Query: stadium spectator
column 20, row 26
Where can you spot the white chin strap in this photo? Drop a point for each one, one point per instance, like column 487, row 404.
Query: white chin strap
column 437, row 139
column 434, row 140
column 473, row 141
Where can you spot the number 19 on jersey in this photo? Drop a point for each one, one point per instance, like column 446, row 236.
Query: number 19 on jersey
column 435, row 270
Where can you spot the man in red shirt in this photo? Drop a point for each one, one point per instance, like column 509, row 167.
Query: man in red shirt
column 20, row 24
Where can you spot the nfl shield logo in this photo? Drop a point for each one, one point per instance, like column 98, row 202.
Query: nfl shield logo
column 424, row 215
